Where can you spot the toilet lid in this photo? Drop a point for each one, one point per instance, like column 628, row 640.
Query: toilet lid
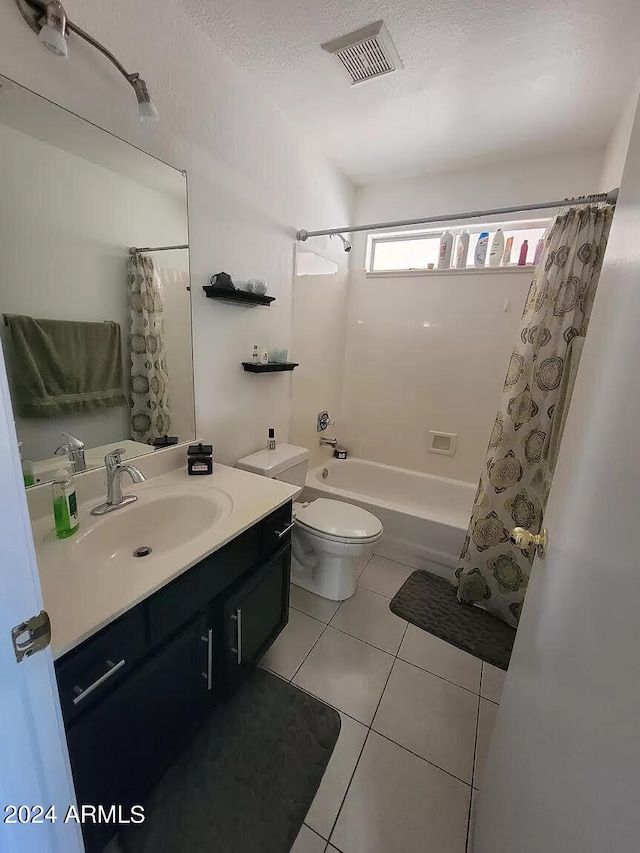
column 339, row 519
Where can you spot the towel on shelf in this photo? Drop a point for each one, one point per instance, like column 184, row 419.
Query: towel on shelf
column 569, row 373
column 63, row 367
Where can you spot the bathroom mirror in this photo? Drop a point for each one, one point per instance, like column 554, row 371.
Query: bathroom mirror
column 96, row 338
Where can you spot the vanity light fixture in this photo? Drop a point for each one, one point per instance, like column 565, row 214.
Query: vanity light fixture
column 50, row 22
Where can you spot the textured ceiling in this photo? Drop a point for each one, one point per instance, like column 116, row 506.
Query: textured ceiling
column 481, row 81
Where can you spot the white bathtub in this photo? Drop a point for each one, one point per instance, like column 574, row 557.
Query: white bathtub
column 425, row 518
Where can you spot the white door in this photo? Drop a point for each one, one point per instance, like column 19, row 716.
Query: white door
column 34, row 763
column 563, row 771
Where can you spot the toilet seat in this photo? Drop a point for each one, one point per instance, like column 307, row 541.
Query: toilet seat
column 338, row 521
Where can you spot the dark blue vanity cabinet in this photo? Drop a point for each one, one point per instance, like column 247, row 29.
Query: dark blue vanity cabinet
column 133, row 694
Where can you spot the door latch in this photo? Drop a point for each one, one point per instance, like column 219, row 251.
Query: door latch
column 523, row 539
column 31, row 636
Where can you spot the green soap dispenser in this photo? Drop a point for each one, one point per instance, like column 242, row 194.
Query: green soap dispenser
column 65, row 504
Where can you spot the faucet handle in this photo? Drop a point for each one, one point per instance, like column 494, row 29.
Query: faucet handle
column 113, row 459
column 74, row 443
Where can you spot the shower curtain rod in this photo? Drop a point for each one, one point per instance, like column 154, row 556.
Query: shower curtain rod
column 134, row 250
column 610, row 197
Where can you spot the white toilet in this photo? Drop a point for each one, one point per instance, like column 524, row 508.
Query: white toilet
column 328, row 535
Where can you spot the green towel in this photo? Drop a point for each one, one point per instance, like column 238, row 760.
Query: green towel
column 64, row 367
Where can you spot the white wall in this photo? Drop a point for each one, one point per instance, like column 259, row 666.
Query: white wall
column 252, row 182
column 318, row 340
column 66, row 225
column 430, row 351
column 616, row 152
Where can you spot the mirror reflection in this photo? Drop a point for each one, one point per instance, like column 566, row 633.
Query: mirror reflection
column 94, row 299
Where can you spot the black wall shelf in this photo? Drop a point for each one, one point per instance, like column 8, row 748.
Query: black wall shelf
column 239, row 297
column 270, row 367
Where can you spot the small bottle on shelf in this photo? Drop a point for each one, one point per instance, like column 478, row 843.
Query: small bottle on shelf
column 524, row 251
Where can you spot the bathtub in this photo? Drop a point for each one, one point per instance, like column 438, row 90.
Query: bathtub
column 425, row 518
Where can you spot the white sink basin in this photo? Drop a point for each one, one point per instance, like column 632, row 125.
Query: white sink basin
column 163, row 518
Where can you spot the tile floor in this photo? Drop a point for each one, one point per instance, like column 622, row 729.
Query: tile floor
column 417, row 716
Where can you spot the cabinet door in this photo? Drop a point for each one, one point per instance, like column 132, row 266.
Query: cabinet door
column 121, row 746
column 254, row 615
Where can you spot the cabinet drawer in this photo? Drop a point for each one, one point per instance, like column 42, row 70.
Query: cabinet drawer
column 89, row 672
column 276, row 529
column 190, row 594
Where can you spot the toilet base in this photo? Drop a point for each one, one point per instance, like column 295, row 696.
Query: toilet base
column 333, row 577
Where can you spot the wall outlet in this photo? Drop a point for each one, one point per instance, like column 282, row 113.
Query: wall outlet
column 443, row 442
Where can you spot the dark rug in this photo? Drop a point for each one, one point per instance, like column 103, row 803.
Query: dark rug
column 247, row 780
column 431, row 603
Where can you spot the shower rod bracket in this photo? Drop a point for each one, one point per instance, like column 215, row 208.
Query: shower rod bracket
column 609, row 198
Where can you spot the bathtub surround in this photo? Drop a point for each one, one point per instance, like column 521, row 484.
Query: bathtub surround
column 429, row 350
column 516, row 477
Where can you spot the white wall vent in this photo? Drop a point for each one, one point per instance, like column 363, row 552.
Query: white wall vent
column 443, row 442
column 365, row 54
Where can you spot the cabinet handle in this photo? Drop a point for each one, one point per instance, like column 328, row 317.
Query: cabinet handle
column 281, row 533
column 208, row 675
column 237, row 616
column 82, row 694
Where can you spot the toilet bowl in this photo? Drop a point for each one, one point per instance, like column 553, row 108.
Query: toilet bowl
column 328, row 536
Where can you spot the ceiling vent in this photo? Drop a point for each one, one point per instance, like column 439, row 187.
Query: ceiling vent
column 365, row 54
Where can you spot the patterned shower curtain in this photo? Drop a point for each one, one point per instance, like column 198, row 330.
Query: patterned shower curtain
column 516, row 478
column 150, row 412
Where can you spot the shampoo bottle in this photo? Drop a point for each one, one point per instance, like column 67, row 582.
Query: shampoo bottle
column 271, row 440
column 497, row 249
column 462, row 251
column 524, row 251
column 65, row 504
column 506, row 257
column 539, row 251
column 481, row 249
column 446, row 248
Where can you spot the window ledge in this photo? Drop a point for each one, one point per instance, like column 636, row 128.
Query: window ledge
column 527, row 268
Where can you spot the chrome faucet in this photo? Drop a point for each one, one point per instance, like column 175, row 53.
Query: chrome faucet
column 74, row 449
column 330, row 442
column 115, row 469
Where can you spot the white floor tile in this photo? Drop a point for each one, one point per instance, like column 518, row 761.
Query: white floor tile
column 346, row 673
column 313, row 605
column 326, row 805
column 398, row 802
column 431, row 717
column 472, row 820
column 486, row 722
column 360, row 564
column 366, row 615
column 384, row 576
column 308, row 842
column 441, row 658
column 293, row 645
column 492, row 682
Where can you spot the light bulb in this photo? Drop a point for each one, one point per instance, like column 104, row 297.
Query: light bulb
column 54, row 41
column 147, row 111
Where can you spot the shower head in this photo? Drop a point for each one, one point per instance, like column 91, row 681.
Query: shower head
column 346, row 244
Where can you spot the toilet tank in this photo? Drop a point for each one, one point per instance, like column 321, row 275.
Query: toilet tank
column 287, row 463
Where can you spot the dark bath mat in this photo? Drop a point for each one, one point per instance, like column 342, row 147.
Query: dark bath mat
column 246, row 782
column 431, row 603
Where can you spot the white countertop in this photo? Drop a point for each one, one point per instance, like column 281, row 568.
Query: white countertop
column 80, row 600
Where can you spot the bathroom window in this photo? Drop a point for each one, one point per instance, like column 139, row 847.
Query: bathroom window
column 417, row 251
